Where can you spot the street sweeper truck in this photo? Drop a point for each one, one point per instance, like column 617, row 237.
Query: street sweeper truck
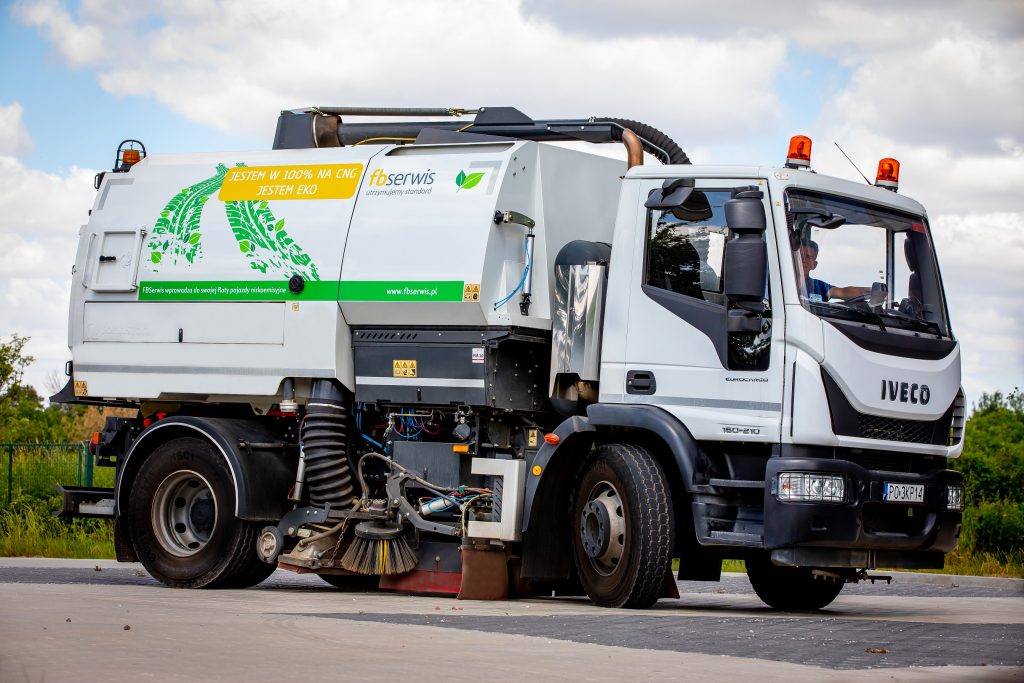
column 459, row 356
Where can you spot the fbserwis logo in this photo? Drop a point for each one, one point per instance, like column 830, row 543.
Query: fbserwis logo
column 466, row 182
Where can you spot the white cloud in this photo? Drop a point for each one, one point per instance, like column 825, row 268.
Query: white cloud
column 34, row 203
column 236, row 64
column 14, row 137
column 37, row 308
column 79, row 43
column 40, row 214
column 980, row 256
column 962, row 92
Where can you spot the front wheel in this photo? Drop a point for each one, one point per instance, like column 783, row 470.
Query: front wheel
column 791, row 588
column 622, row 527
column 182, row 523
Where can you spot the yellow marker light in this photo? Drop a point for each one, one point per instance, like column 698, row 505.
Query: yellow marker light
column 536, row 470
column 460, row 448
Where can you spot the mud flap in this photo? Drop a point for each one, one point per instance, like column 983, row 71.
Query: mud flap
column 669, row 589
column 484, row 573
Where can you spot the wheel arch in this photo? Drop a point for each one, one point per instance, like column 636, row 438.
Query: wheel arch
column 255, row 474
column 545, row 525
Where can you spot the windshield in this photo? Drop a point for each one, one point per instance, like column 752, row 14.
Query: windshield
column 860, row 261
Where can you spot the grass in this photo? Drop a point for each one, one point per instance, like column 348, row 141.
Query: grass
column 29, row 530
column 1010, row 564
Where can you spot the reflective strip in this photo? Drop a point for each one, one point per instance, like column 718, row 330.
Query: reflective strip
column 420, row 382
column 183, row 370
column 705, row 403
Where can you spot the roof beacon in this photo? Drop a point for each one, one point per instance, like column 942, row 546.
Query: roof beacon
column 888, row 174
column 799, row 155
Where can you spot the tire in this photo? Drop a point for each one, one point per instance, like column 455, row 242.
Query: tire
column 623, row 489
column 791, row 588
column 352, row 582
column 182, row 523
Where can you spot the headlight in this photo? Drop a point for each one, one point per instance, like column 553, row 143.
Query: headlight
column 808, row 486
column 955, row 498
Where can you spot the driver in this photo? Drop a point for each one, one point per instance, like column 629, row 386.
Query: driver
column 819, row 290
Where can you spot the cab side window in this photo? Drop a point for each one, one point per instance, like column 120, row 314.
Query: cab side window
column 686, row 248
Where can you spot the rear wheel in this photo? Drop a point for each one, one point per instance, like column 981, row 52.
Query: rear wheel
column 791, row 588
column 181, row 517
column 622, row 527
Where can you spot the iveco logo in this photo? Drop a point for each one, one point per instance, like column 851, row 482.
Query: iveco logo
column 905, row 392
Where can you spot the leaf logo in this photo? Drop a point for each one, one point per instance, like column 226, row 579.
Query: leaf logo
column 466, row 182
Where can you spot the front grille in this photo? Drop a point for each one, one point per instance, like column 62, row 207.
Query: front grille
column 890, row 429
column 848, row 421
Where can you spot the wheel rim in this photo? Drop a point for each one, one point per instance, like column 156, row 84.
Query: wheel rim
column 603, row 528
column 184, row 513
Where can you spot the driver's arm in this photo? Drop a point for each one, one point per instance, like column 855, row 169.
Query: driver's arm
column 848, row 292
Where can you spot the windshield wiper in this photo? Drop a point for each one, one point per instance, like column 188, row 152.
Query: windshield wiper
column 860, row 313
column 919, row 322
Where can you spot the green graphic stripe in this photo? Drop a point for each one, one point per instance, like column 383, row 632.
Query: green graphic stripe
column 235, row 290
column 401, row 290
column 315, row 290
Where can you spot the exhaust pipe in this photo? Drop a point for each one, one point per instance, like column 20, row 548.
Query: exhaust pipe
column 634, row 149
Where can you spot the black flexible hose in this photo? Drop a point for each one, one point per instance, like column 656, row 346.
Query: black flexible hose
column 324, row 444
column 654, row 141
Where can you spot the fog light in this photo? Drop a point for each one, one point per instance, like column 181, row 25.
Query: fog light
column 808, row 486
column 955, row 498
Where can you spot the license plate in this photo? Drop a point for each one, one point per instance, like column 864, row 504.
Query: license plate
column 903, row 493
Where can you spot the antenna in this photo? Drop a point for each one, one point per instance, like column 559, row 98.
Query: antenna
column 851, row 162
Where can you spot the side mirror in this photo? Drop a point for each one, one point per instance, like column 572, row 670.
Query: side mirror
column 745, row 211
column 746, row 270
column 673, row 193
column 746, row 256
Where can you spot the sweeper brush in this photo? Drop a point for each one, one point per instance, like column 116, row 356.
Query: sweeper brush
column 379, row 548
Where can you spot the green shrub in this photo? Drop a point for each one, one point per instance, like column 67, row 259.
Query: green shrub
column 995, row 527
column 993, row 467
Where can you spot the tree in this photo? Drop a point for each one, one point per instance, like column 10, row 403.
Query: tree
column 993, row 467
column 13, row 362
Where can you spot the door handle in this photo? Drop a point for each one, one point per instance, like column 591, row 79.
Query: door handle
column 107, row 259
column 640, row 382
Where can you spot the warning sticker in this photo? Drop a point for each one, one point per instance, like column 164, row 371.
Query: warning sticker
column 81, row 387
column 403, row 368
column 329, row 181
column 478, row 354
column 471, row 292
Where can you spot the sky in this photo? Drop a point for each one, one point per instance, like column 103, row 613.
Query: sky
column 939, row 86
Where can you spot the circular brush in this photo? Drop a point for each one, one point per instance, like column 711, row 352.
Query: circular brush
column 379, row 548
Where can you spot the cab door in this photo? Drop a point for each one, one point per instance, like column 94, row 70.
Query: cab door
column 711, row 357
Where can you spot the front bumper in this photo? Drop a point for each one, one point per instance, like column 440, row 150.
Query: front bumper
column 864, row 522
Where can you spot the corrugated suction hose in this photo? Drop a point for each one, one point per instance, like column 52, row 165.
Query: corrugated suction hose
column 666, row 148
column 324, row 443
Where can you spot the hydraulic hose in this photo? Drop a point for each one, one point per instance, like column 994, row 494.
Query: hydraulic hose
column 324, row 443
column 654, row 141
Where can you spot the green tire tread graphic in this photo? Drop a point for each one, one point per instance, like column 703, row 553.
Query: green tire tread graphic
column 176, row 232
column 261, row 236
column 264, row 241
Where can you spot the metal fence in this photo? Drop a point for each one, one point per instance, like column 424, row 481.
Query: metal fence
column 31, row 470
